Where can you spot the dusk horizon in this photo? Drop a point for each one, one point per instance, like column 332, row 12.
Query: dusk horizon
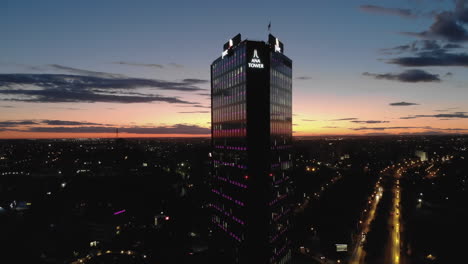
column 72, row 71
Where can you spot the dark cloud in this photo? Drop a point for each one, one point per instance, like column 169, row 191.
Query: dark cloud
column 79, row 82
column 204, row 94
column 174, row 129
column 407, row 76
column 425, row 45
column 330, row 127
column 308, row 120
column 84, row 72
column 344, row 119
column 15, row 123
column 446, row 26
column 194, row 112
column 402, row 48
column 386, row 128
column 369, row 121
column 402, row 104
column 55, row 88
column 303, row 78
column 406, row 13
column 65, row 96
column 201, row 106
column 455, row 115
column 433, row 59
column 452, row 46
column 429, row 44
column 194, row 81
column 461, row 10
column 159, row 66
column 447, row 109
column 7, row 106
column 69, row 123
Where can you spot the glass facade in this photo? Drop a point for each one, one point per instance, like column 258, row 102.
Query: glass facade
column 240, row 154
column 229, row 130
column 281, row 159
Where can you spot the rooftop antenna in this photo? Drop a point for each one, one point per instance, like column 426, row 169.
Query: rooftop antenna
column 269, row 27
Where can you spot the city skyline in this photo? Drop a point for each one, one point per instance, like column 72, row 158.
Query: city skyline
column 361, row 68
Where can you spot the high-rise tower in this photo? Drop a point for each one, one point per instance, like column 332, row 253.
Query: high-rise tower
column 251, row 88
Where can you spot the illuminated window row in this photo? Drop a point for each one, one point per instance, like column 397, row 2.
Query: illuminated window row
column 277, row 199
column 229, row 164
column 237, row 95
column 228, row 214
column 227, row 197
column 231, row 147
column 281, row 147
column 278, row 253
column 277, row 217
column 280, row 128
column 228, row 232
column 277, row 235
column 239, row 132
column 238, row 184
column 232, row 78
column 235, row 112
column 280, row 181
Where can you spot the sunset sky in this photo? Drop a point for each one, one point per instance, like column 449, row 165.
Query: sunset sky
column 84, row 68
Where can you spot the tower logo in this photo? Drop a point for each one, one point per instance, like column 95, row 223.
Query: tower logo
column 255, row 61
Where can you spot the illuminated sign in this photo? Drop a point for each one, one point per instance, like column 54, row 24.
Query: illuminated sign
column 255, row 61
column 225, row 53
column 277, row 46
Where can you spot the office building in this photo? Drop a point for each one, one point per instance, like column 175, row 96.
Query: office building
column 251, row 87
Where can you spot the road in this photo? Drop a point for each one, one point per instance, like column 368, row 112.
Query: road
column 395, row 234
column 359, row 254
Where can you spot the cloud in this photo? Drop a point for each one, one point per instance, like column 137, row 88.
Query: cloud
column 402, row 104
column 406, row 13
column 452, row 46
column 387, row 128
column 461, row 10
column 303, row 78
column 308, row 120
column 194, row 112
column 330, row 127
column 406, row 76
column 57, row 88
column 173, row 129
column 455, row 115
column 68, row 123
column 159, row 66
column 433, row 59
column 447, row 109
column 84, row 72
column 447, row 26
column 344, row 119
column 402, row 48
column 194, row 81
column 369, row 121
column 7, row 106
column 423, row 46
column 15, row 123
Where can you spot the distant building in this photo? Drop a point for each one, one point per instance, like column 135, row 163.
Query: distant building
column 422, row 155
column 251, row 87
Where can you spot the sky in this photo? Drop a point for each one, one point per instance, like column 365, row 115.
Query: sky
column 79, row 69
